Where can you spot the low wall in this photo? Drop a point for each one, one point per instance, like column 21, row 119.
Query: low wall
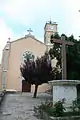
column 65, row 118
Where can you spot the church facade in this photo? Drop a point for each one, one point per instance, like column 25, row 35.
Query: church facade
column 13, row 55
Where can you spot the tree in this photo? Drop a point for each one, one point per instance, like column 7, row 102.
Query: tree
column 37, row 71
column 73, row 57
column 55, row 52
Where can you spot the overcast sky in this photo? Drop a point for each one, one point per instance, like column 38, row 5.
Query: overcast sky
column 16, row 16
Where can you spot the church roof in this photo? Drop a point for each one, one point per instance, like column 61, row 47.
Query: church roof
column 27, row 36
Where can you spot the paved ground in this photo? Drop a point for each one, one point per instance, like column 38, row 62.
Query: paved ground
column 20, row 106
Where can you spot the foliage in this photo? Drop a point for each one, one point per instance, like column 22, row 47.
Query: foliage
column 73, row 57
column 47, row 107
column 52, row 110
column 37, row 71
column 76, row 105
column 55, row 52
column 59, row 108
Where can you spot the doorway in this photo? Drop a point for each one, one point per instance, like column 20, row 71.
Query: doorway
column 26, row 87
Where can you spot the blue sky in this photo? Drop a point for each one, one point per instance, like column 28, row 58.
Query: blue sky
column 16, row 16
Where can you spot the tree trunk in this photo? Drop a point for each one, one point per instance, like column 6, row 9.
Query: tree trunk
column 35, row 93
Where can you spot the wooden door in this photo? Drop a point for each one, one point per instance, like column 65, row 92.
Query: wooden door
column 25, row 86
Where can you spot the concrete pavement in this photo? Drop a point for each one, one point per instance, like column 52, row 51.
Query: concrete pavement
column 19, row 106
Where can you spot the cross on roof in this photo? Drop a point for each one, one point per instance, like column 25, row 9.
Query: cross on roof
column 64, row 43
column 29, row 31
column 8, row 40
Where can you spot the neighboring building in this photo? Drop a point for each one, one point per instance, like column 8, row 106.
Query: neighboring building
column 14, row 53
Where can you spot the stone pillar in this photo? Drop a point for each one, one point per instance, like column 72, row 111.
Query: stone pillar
column 64, row 89
column 6, row 53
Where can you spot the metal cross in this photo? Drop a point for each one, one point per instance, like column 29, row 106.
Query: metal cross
column 63, row 51
column 29, row 31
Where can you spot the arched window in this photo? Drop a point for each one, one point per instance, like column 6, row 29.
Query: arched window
column 28, row 55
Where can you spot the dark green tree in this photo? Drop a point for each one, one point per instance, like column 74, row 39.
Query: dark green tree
column 73, row 57
column 37, row 71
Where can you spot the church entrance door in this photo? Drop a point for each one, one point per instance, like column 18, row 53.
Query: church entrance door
column 25, row 86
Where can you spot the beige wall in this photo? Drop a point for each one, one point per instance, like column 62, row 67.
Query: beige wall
column 17, row 49
column 2, row 65
column 1, row 70
column 41, row 88
column 0, row 79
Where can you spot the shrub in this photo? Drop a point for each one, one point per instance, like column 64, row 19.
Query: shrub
column 52, row 110
column 76, row 105
column 59, row 108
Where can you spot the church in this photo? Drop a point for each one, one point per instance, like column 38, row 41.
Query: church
column 13, row 55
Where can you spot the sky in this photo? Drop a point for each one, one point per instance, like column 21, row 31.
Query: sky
column 17, row 16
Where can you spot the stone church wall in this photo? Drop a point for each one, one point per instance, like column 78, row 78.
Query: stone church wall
column 0, row 79
column 17, row 49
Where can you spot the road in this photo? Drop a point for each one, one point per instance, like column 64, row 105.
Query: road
column 19, row 106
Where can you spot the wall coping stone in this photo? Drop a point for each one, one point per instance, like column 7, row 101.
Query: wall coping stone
column 64, row 82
